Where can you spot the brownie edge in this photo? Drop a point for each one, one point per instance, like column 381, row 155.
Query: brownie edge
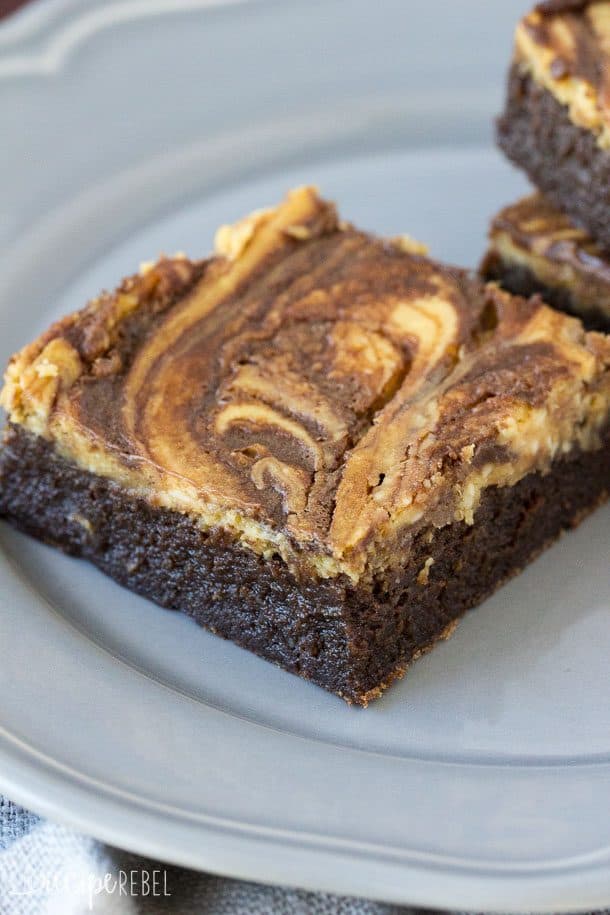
column 520, row 280
column 535, row 248
column 350, row 639
column 561, row 158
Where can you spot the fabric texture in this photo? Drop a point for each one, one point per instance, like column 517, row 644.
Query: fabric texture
column 47, row 869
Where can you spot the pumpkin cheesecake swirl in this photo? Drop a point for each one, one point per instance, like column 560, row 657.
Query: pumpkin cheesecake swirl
column 319, row 393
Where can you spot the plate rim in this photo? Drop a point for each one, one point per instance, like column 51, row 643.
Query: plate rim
column 39, row 38
column 234, row 853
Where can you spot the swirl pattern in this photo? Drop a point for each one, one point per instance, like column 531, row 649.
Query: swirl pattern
column 566, row 48
column 313, row 388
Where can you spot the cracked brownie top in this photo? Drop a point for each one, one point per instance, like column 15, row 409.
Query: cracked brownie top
column 565, row 46
column 313, row 390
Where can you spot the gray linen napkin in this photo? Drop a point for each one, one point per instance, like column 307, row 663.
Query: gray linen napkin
column 46, row 869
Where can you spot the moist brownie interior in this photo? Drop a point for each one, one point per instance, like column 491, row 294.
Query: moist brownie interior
column 535, row 248
column 317, row 443
column 556, row 124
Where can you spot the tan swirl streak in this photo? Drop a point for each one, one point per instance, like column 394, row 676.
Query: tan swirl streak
column 372, row 472
column 599, row 17
column 292, row 392
column 292, row 482
column 257, row 415
column 166, row 371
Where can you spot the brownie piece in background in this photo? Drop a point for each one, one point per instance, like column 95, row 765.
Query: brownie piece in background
column 556, row 123
column 535, row 248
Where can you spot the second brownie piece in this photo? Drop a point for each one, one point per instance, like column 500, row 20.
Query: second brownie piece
column 556, row 125
column 533, row 247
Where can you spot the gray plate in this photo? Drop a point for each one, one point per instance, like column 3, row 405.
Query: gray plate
column 483, row 779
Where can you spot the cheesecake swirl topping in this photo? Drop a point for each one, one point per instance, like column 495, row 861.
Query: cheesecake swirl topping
column 565, row 46
column 316, row 389
column 535, row 235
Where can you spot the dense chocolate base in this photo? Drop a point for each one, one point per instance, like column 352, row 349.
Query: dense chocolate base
column 520, row 281
column 352, row 640
column 562, row 159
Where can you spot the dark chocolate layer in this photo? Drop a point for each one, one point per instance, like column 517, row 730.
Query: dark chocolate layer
column 562, row 159
column 551, row 7
column 521, row 281
column 350, row 639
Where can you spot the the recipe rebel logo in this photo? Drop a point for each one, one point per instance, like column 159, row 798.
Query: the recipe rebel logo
column 69, row 890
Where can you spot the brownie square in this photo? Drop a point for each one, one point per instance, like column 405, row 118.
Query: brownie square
column 319, row 444
column 556, row 123
column 535, row 248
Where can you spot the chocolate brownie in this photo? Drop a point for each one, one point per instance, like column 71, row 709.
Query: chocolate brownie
column 319, row 444
column 556, row 124
column 535, row 248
